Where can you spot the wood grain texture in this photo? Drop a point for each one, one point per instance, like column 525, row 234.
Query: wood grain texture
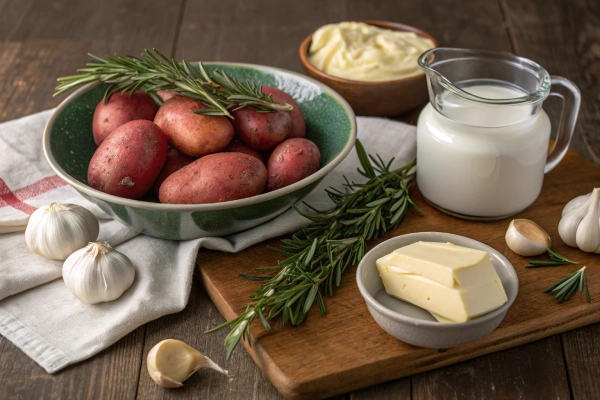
column 353, row 352
column 42, row 40
column 563, row 37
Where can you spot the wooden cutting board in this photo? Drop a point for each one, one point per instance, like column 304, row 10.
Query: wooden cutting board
column 346, row 350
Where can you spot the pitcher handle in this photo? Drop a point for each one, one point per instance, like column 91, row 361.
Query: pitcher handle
column 571, row 97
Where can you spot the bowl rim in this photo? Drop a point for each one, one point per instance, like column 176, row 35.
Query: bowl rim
column 450, row 237
column 248, row 201
column 395, row 26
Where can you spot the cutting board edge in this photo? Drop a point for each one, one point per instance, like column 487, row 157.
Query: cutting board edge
column 311, row 389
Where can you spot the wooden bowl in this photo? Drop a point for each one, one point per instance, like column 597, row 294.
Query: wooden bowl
column 385, row 98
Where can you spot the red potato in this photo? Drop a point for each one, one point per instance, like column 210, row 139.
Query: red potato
column 237, row 146
column 292, row 161
column 120, row 109
column 128, row 161
column 298, row 125
column 193, row 134
column 215, row 178
column 262, row 131
column 174, row 162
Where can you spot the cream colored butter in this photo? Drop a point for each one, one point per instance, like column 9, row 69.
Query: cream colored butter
column 362, row 52
column 453, row 283
column 458, row 304
column 445, row 263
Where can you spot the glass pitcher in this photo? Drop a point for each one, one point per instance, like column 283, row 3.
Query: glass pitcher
column 482, row 141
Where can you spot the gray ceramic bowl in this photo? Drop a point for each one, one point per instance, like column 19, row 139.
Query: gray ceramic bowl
column 414, row 325
column 330, row 123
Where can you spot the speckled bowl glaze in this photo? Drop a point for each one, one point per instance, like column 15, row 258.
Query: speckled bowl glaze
column 414, row 325
column 330, row 123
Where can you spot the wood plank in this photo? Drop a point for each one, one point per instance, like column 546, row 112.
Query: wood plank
column 562, row 36
column 259, row 32
column 354, row 352
column 119, row 365
column 40, row 41
column 536, row 371
column 582, row 354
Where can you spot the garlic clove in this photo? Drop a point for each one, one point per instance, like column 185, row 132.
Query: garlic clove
column 170, row 362
column 526, row 238
column 587, row 235
column 567, row 227
column 98, row 273
column 57, row 230
column 575, row 203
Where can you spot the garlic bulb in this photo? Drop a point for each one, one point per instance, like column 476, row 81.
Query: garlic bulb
column 580, row 222
column 526, row 238
column 98, row 273
column 57, row 230
column 171, row 362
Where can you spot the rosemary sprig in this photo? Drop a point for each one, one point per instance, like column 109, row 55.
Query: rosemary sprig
column 555, row 259
column 567, row 286
column 318, row 255
column 153, row 71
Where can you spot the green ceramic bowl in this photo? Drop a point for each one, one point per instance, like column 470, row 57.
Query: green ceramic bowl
column 330, row 123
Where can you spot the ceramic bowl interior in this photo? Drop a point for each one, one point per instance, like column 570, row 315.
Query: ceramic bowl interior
column 416, row 326
column 385, row 98
column 330, row 123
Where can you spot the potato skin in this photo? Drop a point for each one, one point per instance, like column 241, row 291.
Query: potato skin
column 237, row 146
column 174, row 162
column 262, row 131
column 215, row 178
column 120, row 109
column 128, row 161
column 292, row 161
column 298, row 124
column 192, row 134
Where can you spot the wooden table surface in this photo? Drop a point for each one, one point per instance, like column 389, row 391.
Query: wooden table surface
column 41, row 40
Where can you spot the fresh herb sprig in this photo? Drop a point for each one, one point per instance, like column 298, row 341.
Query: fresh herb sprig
column 318, row 255
column 555, row 259
column 153, row 71
column 567, row 286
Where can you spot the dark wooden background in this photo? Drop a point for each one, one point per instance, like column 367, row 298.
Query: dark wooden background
column 41, row 40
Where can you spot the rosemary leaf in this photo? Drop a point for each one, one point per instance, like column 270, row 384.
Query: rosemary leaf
column 151, row 73
column 318, row 255
column 555, row 259
column 568, row 285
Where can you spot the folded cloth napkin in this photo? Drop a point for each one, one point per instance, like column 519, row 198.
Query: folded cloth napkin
column 38, row 313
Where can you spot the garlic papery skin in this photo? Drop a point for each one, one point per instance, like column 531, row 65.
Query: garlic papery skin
column 57, row 230
column 580, row 224
column 171, row 362
column 526, row 238
column 98, row 273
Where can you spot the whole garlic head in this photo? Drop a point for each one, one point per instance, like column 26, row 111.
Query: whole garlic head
column 57, row 230
column 580, row 222
column 98, row 273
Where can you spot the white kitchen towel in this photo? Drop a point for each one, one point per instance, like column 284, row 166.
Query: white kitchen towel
column 37, row 312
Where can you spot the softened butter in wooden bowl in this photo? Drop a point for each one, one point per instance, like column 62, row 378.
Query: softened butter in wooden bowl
column 390, row 87
column 415, row 325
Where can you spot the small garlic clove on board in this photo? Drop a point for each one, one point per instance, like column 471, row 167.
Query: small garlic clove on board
column 57, row 230
column 587, row 236
column 98, row 273
column 526, row 238
column 171, row 362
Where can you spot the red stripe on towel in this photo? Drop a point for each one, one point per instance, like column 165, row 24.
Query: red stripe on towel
column 15, row 199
